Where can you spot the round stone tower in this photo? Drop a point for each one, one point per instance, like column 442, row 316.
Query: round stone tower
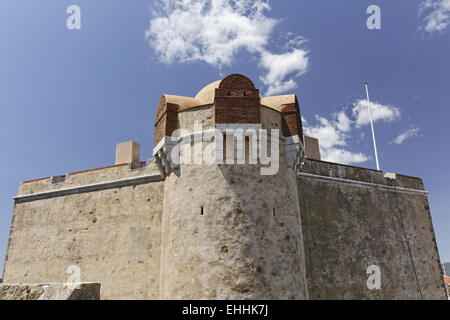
column 231, row 227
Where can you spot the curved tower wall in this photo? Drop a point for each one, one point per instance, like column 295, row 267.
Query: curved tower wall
column 229, row 232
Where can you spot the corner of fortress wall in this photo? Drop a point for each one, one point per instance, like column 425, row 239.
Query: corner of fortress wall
column 110, row 231
column 354, row 218
column 229, row 233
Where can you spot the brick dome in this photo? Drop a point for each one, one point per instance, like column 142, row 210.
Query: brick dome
column 235, row 100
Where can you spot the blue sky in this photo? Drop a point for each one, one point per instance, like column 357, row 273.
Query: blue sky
column 68, row 96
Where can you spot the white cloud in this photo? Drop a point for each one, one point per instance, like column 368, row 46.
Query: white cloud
column 345, row 156
column 436, row 15
column 209, row 31
column 327, row 132
column 214, row 31
column 412, row 132
column 379, row 112
column 279, row 66
column 343, row 122
column 335, row 134
column 304, row 122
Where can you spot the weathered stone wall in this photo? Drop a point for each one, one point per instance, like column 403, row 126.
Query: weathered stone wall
column 230, row 233
column 112, row 235
column 203, row 114
column 270, row 118
column 92, row 176
column 53, row 291
column 357, row 220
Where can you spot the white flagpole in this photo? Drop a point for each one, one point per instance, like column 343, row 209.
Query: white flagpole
column 371, row 124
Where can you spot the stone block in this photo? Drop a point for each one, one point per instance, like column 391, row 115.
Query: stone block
column 127, row 152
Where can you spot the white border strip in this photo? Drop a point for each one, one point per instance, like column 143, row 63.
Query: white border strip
column 90, row 187
column 361, row 183
column 173, row 140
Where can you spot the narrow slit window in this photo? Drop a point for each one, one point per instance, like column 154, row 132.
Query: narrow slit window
column 201, row 211
column 273, row 210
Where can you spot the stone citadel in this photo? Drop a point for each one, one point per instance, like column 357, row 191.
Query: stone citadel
column 168, row 229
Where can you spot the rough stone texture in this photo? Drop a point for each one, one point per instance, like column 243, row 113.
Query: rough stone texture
column 53, row 291
column 204, row 115
column 348, row 227
column 80, row 178
column 127, row 152
column 112, row 235
column 230, row 233
column 270, row 119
